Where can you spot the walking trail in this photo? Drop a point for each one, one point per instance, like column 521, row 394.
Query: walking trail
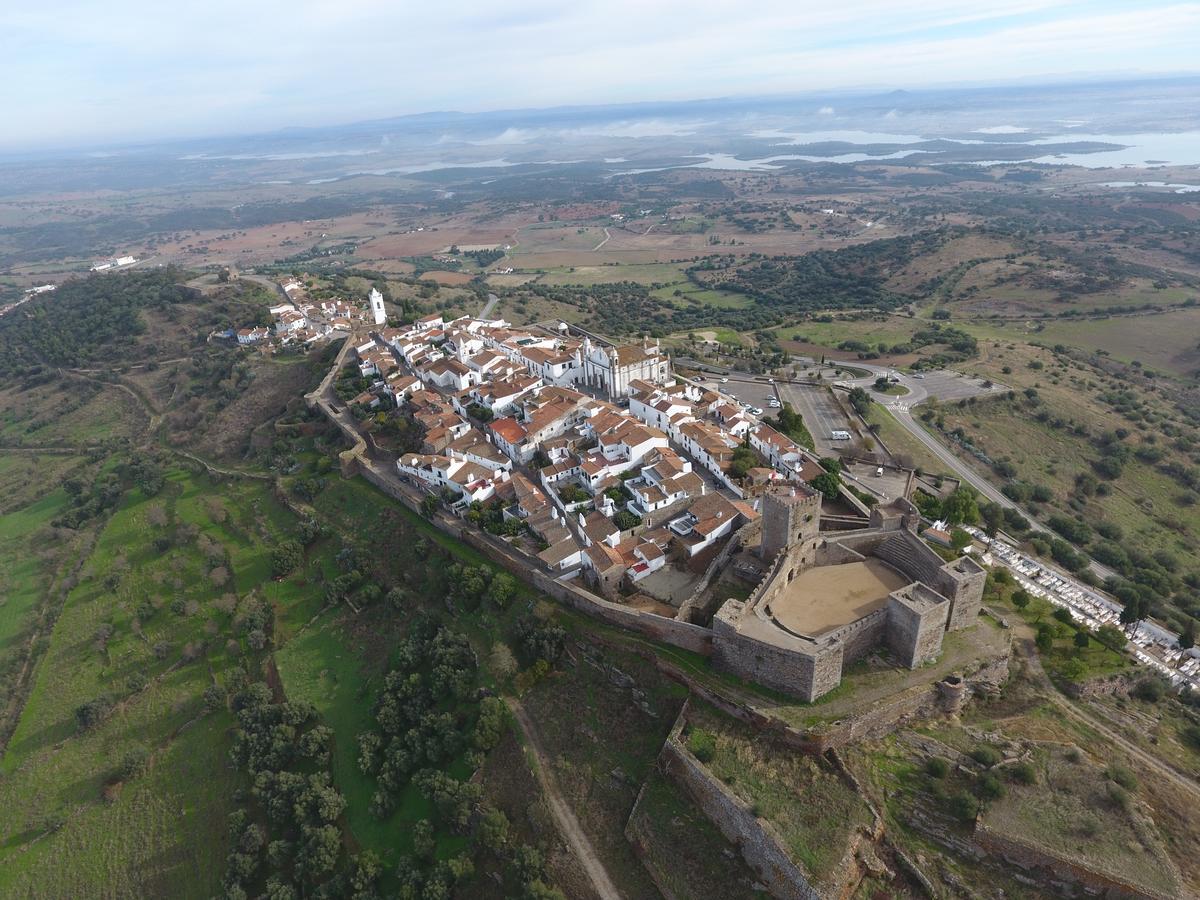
column 568, row 825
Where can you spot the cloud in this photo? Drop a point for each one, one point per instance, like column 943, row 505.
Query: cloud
column 825, row 111
column 134, row 68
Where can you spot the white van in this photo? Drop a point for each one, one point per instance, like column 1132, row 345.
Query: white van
column 839, row 435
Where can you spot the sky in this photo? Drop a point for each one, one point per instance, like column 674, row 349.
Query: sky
column 78, row 71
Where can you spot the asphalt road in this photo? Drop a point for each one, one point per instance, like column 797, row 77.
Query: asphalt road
column 948, row 386
column 489, row 306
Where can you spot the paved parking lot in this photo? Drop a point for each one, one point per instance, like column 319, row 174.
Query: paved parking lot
column 887, row 486
column 947, row 385
column 743, row 387
column 821, row 414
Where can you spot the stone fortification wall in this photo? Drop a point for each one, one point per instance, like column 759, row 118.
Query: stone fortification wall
column 669, row 631
column 881, row 718
column 794, row 669
column 760, row 844
column 862, row 542
column 1061, row 868
column 916, row 622
column 860, row 637
column 836, row 554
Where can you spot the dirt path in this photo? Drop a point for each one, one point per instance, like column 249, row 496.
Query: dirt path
column 607, row 237
column 568, row 825
column 218, row 470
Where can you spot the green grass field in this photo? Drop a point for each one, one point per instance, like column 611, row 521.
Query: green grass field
column 68, row 412
column 1166, row 341
column 901, row 443
column 337, row 660
column 149, row 628
column 884, row 329
column 32, row 553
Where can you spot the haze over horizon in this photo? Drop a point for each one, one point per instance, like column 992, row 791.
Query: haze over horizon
column 123, row 73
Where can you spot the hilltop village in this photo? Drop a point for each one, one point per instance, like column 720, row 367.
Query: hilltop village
column 631, row 488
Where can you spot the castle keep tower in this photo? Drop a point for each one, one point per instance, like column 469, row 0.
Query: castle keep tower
column 791, row 515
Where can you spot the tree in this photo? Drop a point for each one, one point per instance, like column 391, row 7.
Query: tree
column 828, row 484
column 1045, row 638
column 1020, row 598
column 490, row 725
column 1187, row 637
column 502, row 589
column 493, row 830
column 1081, row 639
column 993, row 518
column 1111, row 637
column 1129, row 614
column 286, row 557
column 502, row 662
column 319, row 850
column 960, row 508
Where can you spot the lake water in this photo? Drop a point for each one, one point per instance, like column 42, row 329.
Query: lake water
column 1175, row 188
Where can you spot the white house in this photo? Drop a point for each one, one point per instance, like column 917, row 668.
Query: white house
column 253, row 335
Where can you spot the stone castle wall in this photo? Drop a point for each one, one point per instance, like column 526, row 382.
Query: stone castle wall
column 915, row 634
column 1094, row 883
column 760, row 845
column 792, row 670
column 861, row 636
column 669, row 631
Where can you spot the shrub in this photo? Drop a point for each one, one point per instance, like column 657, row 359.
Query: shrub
column 963, row 806
column 1191, row 735
column 986, row 756
column 1149, row 689
column 990, row 787
column 1023, row 773
column 702, row 745
column 1118, row 796
column 133, row 763
column 90, row 714
column 1122, row 776
column 936, row 767
column 625, row 520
